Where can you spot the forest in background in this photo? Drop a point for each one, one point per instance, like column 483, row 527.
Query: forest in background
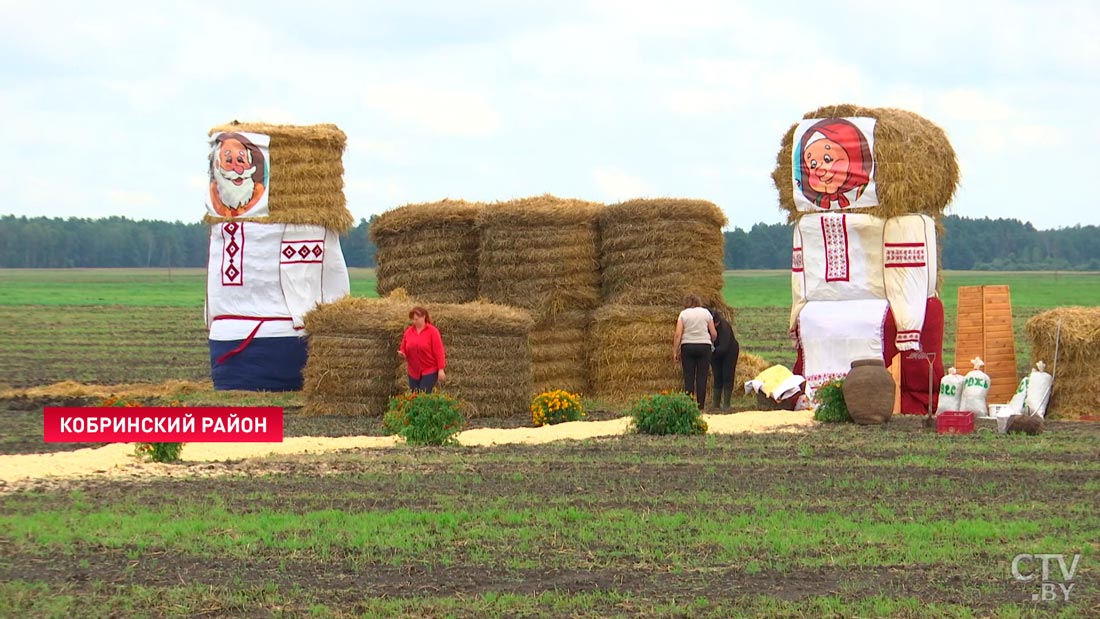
column 967, row 244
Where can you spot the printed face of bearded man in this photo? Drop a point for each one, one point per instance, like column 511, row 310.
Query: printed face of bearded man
column 233, row 170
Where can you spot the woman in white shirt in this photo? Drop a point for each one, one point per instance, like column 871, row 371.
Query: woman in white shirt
column 692, row 346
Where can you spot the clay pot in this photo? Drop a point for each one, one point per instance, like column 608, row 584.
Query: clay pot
column 869, row 392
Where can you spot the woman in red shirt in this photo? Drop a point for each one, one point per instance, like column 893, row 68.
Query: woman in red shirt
column 422, row 349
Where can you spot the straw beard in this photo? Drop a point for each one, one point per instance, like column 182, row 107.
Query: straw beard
column 233, row 195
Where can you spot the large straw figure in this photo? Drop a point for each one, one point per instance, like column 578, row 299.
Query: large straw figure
column 865, row 189
column 275, row 206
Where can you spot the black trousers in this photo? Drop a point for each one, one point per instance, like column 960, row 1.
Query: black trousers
column 724, row 366
column 695, row 359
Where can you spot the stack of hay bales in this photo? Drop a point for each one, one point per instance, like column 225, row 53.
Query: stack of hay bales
column 653, row 253
column 542, row 254
column 541, row 259
column 353, row 355
column 1076, row 391
column 307, row 175
column 430, row 250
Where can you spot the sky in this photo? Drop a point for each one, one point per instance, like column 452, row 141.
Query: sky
column 105, row 106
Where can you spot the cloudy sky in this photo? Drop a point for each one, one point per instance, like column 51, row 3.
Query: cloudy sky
column 104, row 106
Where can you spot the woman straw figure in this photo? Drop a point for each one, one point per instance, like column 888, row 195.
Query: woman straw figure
column 692, row 346
column 422, row 348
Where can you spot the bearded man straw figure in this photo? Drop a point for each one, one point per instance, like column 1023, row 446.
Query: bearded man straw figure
column 237, row 175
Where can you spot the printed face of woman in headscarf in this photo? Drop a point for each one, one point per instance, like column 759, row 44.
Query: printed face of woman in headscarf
column 828, row 165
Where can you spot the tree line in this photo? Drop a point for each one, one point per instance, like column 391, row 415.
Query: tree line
column 967, row 244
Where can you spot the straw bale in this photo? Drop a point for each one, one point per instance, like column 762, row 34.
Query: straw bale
column 444, row 215
column 1074, row 401
column 428, row 249
column 359, row 316
column 328, row 135
column 632, row 352
column 537, row 249
column 1076, row 391
column 306, row 175
column 916, row 170
column 651, row 210
column 488, row 357
column 352, row 355
column 349, row 375
column 480, row 317
column 1079, row 338
column 560, row 349
column 654, row 252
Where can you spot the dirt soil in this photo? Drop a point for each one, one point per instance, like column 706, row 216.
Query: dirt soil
column 373, row 480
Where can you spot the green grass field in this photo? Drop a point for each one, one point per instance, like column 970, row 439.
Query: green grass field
column 121, row 325
column 744, row 289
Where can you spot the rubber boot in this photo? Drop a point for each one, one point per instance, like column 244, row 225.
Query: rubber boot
column 727, row 394
column 716, row 399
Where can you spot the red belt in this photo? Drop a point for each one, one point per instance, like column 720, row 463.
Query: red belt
column 260, row 320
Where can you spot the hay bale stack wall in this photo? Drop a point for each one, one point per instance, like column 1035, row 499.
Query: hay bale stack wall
column 1077, row 382
column 307, row 175
column 545, row 254
column 633, row 352
column 654, row 252
column 352, row 356
column 430, row 250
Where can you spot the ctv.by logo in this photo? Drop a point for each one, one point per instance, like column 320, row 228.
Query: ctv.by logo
column 1050, row 590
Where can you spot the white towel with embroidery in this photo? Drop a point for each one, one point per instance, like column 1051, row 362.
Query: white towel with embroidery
column 832, row 334
column 909, row 250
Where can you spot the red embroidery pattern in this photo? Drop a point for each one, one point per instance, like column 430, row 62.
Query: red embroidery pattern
column 834, row 229
column 907, row 336
column 232, row 254
column 820, row 378
column 302, row 252
column 796, row 260
column 901, row 255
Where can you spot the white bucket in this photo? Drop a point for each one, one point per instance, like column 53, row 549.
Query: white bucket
column 1003, row 416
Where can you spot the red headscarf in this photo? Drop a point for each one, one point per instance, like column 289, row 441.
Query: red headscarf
column 851, row 139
